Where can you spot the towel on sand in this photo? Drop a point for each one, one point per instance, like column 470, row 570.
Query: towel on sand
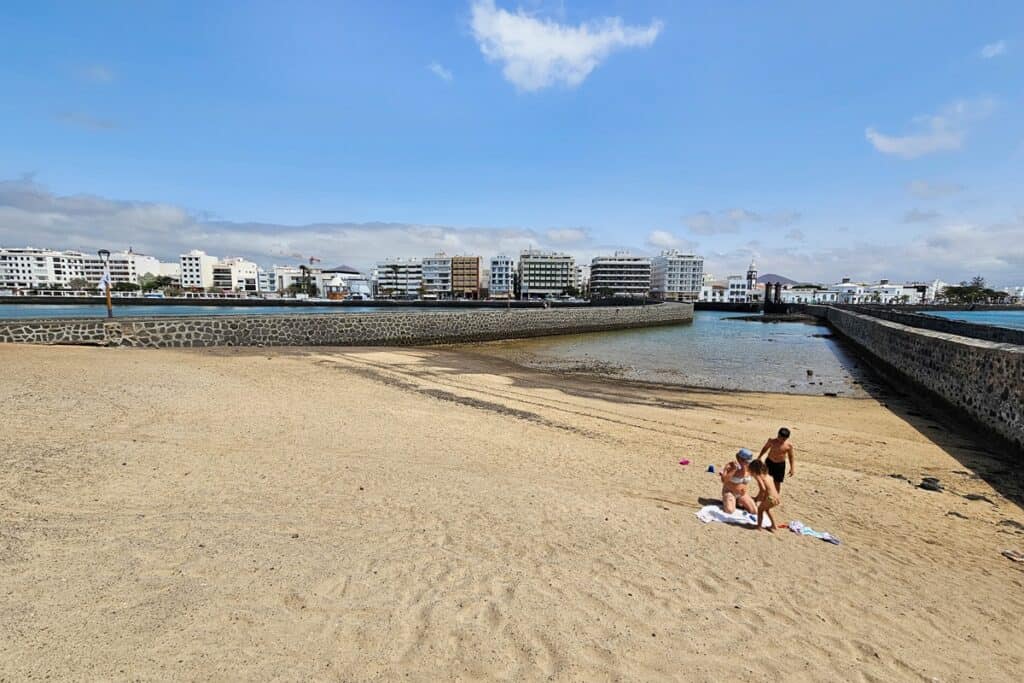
column 713, row 513
column 799, row 528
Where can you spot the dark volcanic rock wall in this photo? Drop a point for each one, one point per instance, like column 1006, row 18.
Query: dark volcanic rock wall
column 341, row 329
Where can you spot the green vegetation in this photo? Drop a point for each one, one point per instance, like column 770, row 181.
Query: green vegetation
column 150, row 282
column 973, row 292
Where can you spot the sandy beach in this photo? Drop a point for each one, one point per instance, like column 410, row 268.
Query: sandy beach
column 431, row 514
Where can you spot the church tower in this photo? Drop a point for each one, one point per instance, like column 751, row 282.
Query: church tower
column 751, row 281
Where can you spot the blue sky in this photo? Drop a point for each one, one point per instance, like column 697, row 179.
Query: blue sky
column 823, row 139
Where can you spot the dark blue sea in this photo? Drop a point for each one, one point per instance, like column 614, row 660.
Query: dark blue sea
column 1013, row 319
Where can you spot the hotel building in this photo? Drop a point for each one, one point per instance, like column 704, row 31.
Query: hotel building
column 676, row 276
column 546, row 273
column 622, row 273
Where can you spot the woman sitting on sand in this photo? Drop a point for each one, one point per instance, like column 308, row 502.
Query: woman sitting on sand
column 735, row 480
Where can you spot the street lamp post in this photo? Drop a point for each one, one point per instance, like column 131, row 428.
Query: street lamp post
column 105, row 260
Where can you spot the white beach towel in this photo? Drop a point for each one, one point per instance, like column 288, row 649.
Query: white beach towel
column 713, row 513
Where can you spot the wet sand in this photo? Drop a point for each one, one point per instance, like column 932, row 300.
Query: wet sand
column 432, row 514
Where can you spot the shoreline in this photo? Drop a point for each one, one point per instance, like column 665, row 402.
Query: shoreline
column 377, row 513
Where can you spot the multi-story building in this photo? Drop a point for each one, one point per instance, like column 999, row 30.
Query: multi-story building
column 437, row 277
column 736, row 290
column 31, row 268
column 125, row 266
column 546, row 273
column 714, row 292
column 286, row 276
column 398, row 278
column 678, row 277
column 500, row 283
column 266, row 281
column 197, row 269
column 236, row 275
column 808, row 295
column 744, row 289
column 466, row 277
column 622, row 273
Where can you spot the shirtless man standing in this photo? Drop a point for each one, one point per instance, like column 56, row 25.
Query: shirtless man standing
column 778, row 449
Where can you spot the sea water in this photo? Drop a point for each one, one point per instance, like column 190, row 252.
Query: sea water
column 1012, row 319
column 718, row 350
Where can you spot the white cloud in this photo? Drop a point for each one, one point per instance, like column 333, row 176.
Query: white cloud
column 567, row 235
column 940, row 132
column 731, row 220
column 993, row 49
column 441, row 72
column 537, row 53
column 32, row 215
column 922, row 189
column 796, row 235
column 951, row 252
column 663, row 239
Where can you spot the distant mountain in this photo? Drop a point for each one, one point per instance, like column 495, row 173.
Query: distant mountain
column 772, row 277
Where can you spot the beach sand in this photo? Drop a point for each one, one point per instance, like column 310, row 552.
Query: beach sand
column 431, row 514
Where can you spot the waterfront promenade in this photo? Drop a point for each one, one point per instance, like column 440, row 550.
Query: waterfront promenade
column 374, row 514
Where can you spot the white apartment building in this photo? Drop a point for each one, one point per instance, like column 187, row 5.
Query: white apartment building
column 398, row 278
column 437, row 277
column 714, row 292
column 809, row 295
column 32, row 268
column 500, row 280
column 736, row 290
column 622, row 273
column 236, row 275
column 197, row 269
column 546, row 273
column 678, row 277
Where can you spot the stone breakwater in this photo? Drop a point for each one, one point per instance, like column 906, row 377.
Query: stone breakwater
column 341, row 329
column 983, row 379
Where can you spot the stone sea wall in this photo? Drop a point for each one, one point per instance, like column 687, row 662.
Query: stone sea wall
column 341, row 329
column 984, row 379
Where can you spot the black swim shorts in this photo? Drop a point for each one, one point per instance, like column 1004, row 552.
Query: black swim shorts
column 776, row 469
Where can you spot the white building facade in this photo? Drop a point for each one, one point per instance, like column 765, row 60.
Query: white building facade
column 677, row 277
column 236, row 275
column 501, row 277
column 621, row 273
column 32, row 268
column 197, row 269
column 398, row 278
column 437, row 277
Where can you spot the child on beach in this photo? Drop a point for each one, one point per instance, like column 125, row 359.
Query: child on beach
column 767, row 496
